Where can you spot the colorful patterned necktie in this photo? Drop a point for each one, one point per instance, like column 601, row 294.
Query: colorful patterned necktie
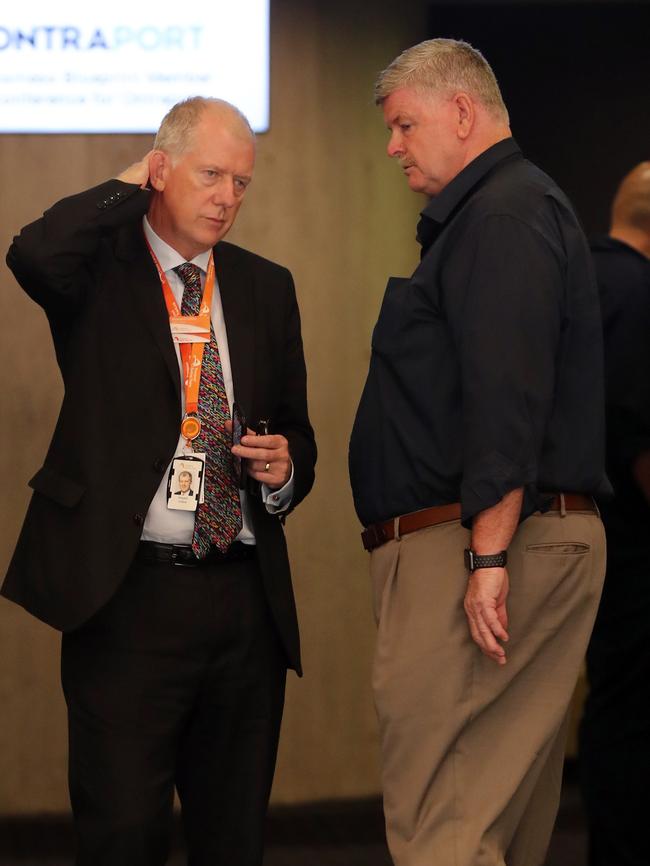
column 218, row 520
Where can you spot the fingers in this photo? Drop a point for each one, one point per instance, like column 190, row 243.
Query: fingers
column 267, row 457
column 493, row 623
column 271, row 440
column 485, row 638
column 275, row 478
column 138, row 172
column 273, row 473
column 262, row 449
column 485, row 607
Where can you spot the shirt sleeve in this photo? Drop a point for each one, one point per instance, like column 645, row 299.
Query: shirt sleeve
column 506, row 326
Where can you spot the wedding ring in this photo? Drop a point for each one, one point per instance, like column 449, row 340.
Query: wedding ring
column 267, row 467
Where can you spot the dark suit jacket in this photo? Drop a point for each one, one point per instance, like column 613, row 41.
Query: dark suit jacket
column 87, row 264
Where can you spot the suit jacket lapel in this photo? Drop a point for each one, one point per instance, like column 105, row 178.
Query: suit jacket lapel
column 238, row 300
column 143, row 279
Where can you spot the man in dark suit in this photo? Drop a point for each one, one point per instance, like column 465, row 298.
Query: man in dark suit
column 178, row 624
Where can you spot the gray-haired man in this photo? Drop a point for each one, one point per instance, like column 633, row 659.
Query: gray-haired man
column 476, row 448
column 178, row 616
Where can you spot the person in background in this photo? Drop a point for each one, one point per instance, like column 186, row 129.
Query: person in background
column 615, row 729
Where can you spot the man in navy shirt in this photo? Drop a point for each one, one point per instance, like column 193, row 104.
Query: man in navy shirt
column 476, row 449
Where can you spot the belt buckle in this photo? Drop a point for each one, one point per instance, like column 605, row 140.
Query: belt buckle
column 176, row 548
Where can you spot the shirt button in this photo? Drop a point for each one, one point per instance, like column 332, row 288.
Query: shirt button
column 275, row 497
column 138, row 519
column 159, row 465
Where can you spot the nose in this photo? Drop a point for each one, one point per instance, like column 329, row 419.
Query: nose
column 224, row 192
column 395, row 146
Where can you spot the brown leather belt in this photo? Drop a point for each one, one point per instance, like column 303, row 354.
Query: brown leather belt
column 379, row 533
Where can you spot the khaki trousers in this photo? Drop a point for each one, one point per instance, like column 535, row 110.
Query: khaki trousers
column 472, row 752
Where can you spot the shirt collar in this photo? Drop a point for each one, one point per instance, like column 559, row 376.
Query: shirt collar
column 607, row 242
column 166, row 255
column 440, row 206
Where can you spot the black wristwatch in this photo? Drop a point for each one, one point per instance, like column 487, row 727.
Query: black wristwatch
column 473, row 560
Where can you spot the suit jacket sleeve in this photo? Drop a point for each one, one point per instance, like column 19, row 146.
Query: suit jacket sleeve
column 52, row 258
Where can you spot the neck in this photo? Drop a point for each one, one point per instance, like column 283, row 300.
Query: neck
column 636, row 238
column 486, row 138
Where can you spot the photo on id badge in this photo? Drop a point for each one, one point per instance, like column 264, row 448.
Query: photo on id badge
column 184, row 485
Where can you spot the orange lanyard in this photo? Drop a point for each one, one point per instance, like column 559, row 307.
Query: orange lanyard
column 183, row 329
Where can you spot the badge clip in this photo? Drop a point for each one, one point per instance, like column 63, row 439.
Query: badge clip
column 190, row 428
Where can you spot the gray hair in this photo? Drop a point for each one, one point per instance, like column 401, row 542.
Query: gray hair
column 177, row 128
column 444, row 66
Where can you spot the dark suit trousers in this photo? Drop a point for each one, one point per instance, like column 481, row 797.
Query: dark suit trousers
column 177, row 682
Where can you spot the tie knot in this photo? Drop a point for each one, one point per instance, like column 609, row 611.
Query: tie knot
column 189, row 273
column 191, row 276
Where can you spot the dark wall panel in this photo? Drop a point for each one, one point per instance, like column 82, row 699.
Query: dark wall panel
column 576, row 80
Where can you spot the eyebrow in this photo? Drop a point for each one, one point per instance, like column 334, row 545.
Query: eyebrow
column 218, row 168
column 400, row 117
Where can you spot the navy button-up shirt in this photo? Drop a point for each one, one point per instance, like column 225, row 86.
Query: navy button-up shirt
column 486, row 370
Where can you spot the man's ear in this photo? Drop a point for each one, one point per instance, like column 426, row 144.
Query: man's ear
column 465, row 115
column 159, row 165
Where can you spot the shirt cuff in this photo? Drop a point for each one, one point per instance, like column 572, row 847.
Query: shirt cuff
column 490, row 479
column 277, row 501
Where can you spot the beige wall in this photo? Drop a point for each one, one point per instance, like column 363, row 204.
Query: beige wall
column 327, row 203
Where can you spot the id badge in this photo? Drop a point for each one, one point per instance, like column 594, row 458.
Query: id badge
column 185, row 482
column 190, row 329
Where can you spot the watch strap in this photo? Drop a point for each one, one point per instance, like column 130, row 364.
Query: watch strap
column 474, row 561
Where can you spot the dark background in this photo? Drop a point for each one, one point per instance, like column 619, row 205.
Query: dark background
column 576, row 80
